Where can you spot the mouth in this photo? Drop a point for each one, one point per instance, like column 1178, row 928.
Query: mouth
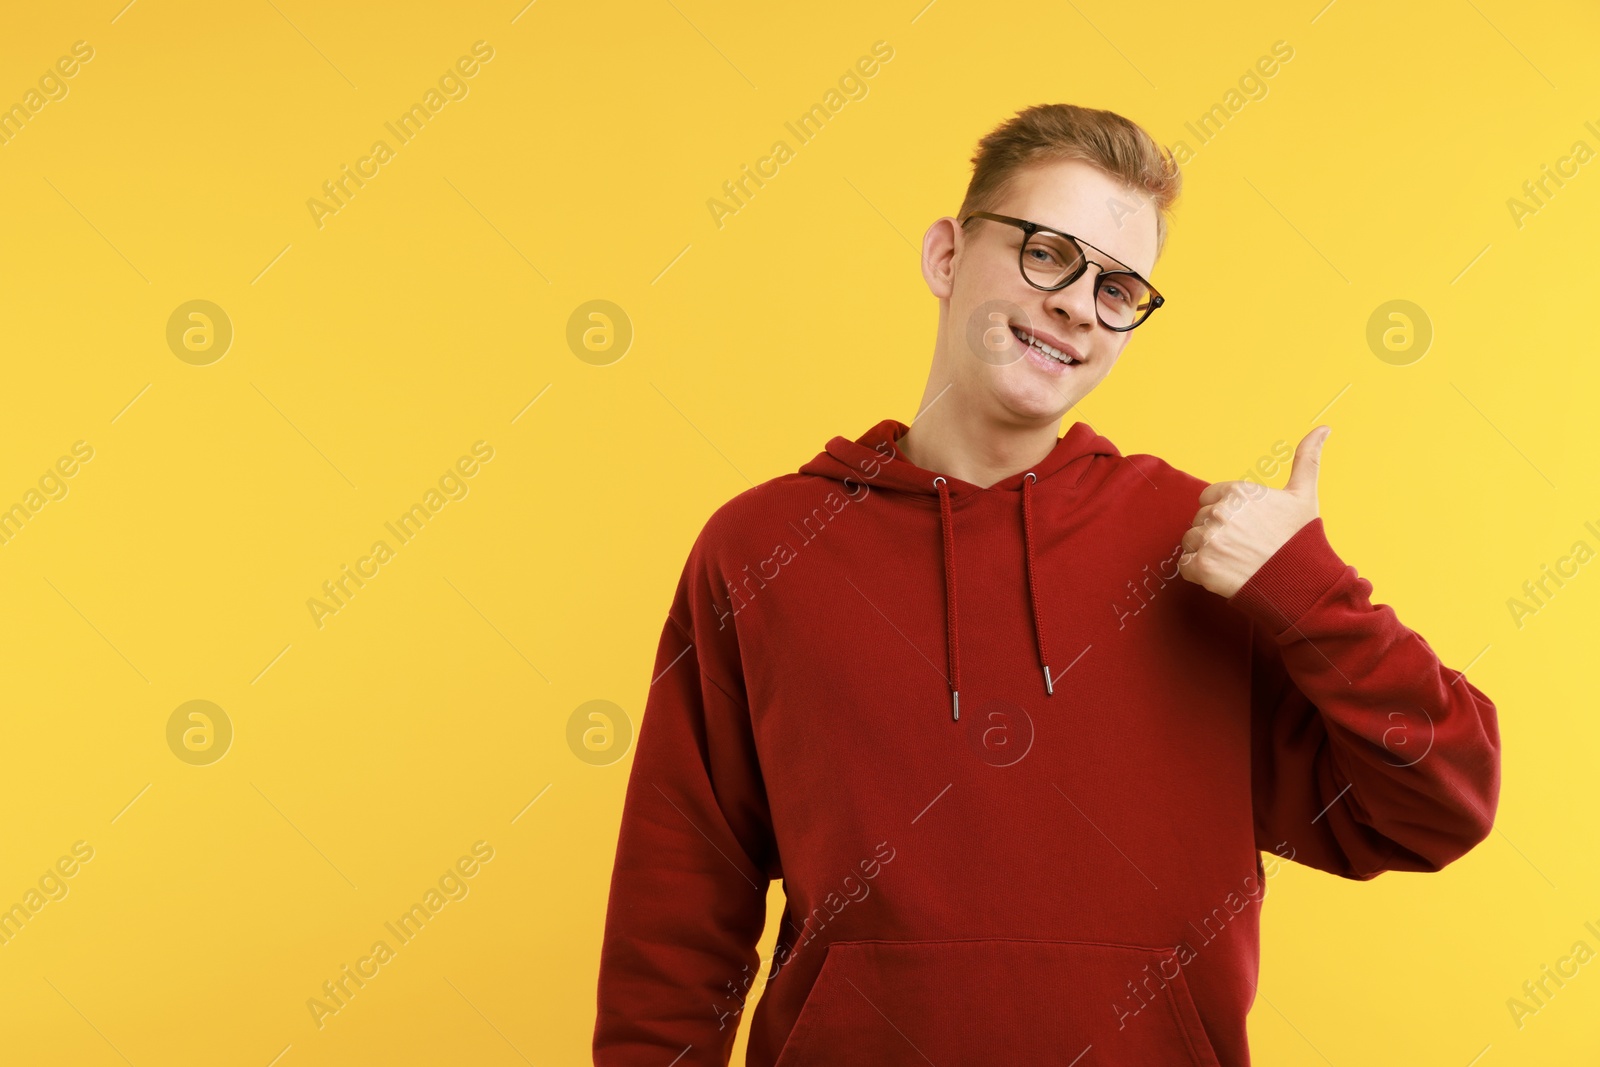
column 1057, row 354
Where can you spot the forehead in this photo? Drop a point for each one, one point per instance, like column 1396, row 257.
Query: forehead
column 1078, row 198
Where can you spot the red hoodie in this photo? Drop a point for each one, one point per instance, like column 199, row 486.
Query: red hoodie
column 1014, row 772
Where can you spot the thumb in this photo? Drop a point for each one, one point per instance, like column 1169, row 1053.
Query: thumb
column 1307, row 461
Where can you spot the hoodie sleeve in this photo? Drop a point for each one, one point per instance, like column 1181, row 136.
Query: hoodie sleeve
column 1368, row 754
column 694, row 855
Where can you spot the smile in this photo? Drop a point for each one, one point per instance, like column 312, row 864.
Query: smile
column 1049, row 350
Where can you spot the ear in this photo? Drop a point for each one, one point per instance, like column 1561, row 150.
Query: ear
column 940, row 256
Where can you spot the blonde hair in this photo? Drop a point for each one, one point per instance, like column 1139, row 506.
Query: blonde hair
column 1049, row 133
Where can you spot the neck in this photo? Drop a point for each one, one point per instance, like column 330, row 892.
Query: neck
column 960, row 444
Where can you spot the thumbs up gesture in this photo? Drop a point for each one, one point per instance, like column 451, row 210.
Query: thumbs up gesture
column 1241, row 524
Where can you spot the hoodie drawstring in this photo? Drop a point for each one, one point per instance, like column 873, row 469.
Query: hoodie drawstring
column 952, row 642
column 953, row 645
column 1033, row 589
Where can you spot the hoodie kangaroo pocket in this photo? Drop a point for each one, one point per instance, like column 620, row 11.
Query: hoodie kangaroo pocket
column 997, row 1000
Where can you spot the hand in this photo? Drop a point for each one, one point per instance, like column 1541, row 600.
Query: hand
column 1241, row 524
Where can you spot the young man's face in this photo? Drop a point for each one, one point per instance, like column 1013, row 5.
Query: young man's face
column 990, row 366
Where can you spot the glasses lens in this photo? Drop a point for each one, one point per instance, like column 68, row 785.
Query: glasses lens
column 1124, row 299
column 1051, row 259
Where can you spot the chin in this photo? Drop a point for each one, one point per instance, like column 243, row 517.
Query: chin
column 1024, row 393
column 1032, row 404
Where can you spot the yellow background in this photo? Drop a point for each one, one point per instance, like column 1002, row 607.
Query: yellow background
column 369, row 354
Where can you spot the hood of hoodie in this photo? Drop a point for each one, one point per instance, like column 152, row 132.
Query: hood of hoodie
column 875, row 455
column 842, row 458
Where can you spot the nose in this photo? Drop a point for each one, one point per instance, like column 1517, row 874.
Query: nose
column 1074, row 304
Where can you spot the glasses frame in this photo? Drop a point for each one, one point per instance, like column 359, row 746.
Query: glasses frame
column 1031, row 228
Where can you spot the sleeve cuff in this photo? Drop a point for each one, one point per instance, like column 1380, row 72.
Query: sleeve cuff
column 1293, row 579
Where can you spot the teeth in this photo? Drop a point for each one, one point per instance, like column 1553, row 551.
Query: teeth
column 1052, row 352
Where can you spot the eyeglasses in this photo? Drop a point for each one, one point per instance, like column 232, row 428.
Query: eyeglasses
column 1052, row 260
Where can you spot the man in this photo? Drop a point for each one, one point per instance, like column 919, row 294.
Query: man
column 1013, row 716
